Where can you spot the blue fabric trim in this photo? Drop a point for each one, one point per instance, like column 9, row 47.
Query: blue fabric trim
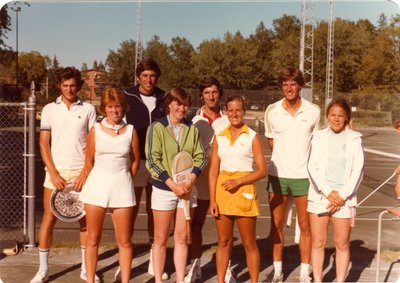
column 160, row 185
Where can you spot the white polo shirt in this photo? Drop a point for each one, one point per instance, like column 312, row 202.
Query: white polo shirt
column 69, row 129
column 292, row 138
column 207, row 132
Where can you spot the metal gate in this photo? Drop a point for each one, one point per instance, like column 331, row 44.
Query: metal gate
column 13, row 170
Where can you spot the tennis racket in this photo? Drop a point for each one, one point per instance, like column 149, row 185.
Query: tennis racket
column 181, row 168
column 66, row 205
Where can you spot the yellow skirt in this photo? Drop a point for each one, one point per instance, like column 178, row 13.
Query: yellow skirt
column 239, row 202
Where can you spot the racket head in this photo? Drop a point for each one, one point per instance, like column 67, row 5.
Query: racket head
column 66, row 206
column 182, row 167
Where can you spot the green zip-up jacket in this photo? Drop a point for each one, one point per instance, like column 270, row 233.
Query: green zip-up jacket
column 161, row 149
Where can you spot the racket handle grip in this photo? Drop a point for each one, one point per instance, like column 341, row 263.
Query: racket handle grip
column 188, row 232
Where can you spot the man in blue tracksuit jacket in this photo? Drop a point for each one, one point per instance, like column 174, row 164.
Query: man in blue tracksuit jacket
column 146, row 104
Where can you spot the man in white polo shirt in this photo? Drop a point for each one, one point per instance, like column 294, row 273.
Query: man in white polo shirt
column 63, row 130
column 289, row 125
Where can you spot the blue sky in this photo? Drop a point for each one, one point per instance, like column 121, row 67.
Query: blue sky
column 84, row 31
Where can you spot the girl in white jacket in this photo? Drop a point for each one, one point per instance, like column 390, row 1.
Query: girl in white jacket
column 335, row 168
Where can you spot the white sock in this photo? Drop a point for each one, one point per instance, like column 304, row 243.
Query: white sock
column 304, row 269
column 83, row 265
column 44, row 259
column 277, row 267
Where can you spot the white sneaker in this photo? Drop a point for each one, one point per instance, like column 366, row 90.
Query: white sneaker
column 275, row 278
column 40, row 277
column 83, row 277
column 150, row 270
column 194, row 271
column 230, row 275
column 304, row 279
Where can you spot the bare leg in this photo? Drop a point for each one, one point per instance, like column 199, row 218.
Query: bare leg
column 48, row 222
column 181, row 247
column 198, row 219
column 162, row 224
column 95, row 218
column 319, row 230
column 138, row 195
column 304, row 223
column 122, row 218
column 277, row 205
column 247, row 230
column 341, row 238
column 225, row 240
column 150, row 220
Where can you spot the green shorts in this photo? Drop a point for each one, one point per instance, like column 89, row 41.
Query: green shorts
column 284, row 186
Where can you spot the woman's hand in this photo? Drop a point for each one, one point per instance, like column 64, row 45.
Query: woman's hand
column 79, row 182
column 181, row 189
column 332, row 208
column 335, row 199
column 231, row 184
column 214, row 209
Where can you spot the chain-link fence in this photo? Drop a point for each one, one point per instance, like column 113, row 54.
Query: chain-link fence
column 13, row 137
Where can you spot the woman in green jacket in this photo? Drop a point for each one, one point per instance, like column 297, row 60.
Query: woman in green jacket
column 166, row 138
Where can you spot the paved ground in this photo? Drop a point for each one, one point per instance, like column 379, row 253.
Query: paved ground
column 65, row 257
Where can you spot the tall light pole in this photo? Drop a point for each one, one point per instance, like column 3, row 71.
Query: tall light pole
column 16, row 10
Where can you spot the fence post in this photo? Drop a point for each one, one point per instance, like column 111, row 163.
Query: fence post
column 31, row 167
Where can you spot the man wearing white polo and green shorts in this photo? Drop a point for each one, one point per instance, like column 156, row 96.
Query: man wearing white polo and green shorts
column 289, row 125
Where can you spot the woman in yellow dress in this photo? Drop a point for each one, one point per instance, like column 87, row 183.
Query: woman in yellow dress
column 233, row 196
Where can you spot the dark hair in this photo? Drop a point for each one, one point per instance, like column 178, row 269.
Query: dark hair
column 208, row 82
column 176, row 94
column 235, row 98
column 290, row 73
column 342, row 103
column 110, row 95
column 67, row 73
column 148, row 64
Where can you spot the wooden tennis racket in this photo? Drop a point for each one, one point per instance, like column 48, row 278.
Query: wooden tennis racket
column 181, row 168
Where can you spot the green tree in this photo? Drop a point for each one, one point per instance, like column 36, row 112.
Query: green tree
column 262, row 39
column 182, row 73
column 5, row 23
column 351, row 44
column 208, row 60
column 242, row 70
column 32, row 67
column 158, row 51
column 286, row 48
column 121, row 64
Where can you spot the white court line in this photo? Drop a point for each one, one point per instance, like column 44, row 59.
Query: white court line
column 392, row 155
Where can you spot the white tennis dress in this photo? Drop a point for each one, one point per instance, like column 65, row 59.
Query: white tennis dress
column 110, row 182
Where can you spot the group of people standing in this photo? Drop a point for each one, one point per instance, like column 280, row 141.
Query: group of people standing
column 132, row 149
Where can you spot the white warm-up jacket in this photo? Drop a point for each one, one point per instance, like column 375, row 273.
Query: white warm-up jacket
column 317, row 165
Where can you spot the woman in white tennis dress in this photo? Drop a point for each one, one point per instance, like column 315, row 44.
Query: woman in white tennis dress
column 112, row 158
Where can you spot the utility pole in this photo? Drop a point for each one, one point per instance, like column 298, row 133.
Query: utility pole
column 330, row 57
column 16, row 10
column 306, row 65
column 138, row 42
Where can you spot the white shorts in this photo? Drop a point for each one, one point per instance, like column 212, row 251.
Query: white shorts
column 142, row 177
column 68, row 175
column 167, row 200
column 320, row 208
